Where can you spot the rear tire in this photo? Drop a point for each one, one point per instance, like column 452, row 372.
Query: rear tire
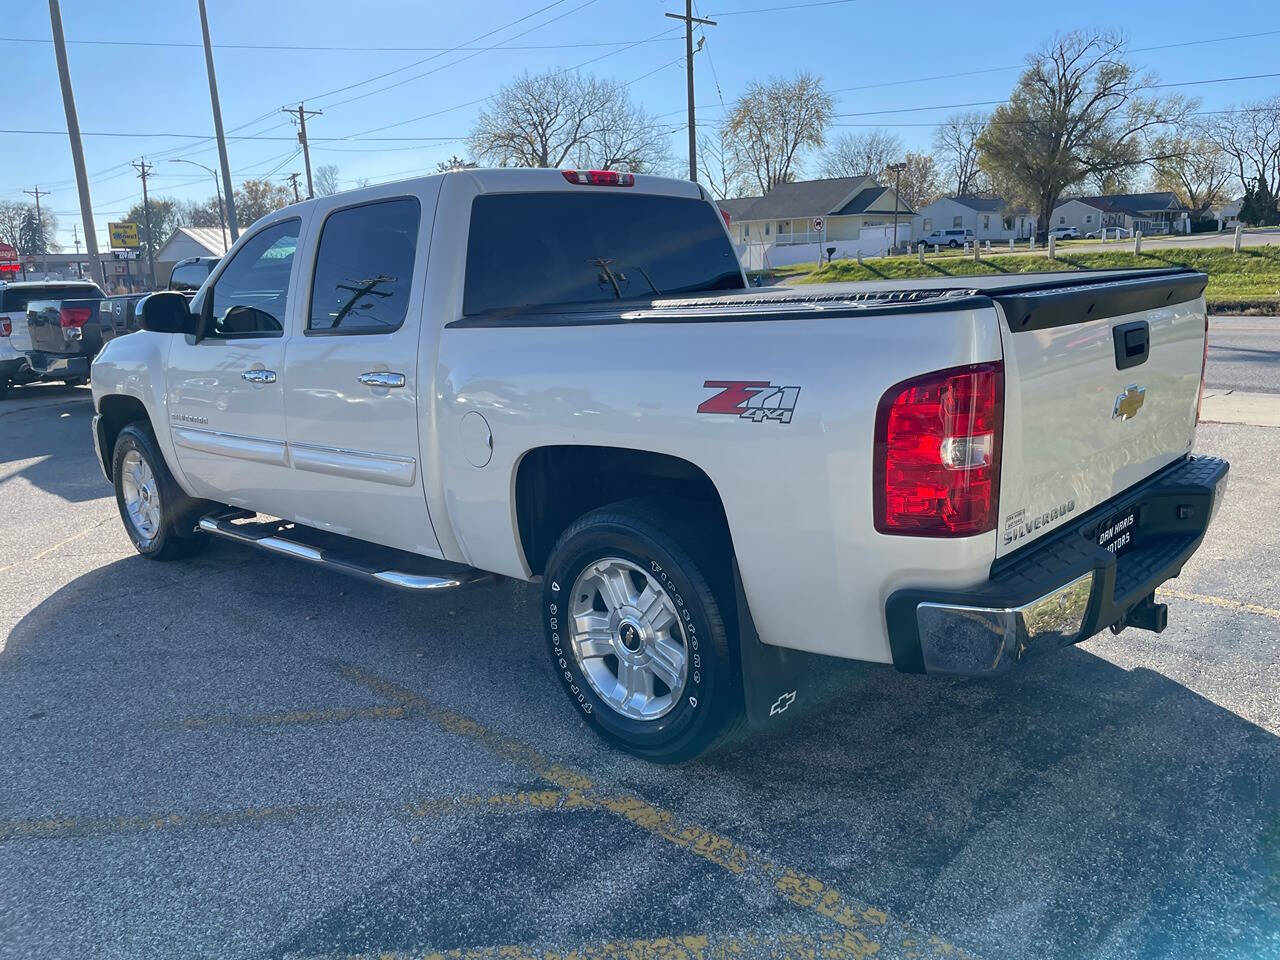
column 637, row 633
column 158, row 516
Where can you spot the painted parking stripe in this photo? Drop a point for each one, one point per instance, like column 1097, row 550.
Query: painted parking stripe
column 1223, row 602
column 801, row 889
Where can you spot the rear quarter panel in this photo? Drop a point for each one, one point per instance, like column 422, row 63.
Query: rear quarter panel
column 797, row 495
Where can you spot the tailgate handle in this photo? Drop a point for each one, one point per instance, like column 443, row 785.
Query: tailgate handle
column 1133, row 343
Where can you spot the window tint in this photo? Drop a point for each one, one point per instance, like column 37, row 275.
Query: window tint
column 251, row 295
column 188, row 276
column 364, row 269
column 15, row 299
column 531, row 249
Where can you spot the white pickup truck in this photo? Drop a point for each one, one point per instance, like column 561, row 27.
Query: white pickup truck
column 562, row 376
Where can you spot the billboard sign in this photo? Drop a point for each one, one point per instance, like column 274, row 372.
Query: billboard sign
column 124, row 236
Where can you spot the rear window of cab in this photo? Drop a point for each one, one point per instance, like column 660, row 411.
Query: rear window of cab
column 530, row 250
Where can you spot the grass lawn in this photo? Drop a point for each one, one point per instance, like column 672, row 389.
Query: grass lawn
column 1248, row 280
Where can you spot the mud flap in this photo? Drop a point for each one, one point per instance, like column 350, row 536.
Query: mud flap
column 773, row 678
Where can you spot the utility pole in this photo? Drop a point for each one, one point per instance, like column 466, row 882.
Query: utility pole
column 897, row 168
column 293, row 182
column 689, row 20
column 302, row 113
column 38, row 193
column 217, row 126
column 144, row 169
column 73, row 133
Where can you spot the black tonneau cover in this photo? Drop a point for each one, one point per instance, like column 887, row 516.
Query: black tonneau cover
column 1030, row 301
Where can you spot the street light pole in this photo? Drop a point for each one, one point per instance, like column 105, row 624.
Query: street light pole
column 217, row 189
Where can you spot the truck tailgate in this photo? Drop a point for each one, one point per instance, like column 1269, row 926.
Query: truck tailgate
column 1102, row 382
column 44, row 331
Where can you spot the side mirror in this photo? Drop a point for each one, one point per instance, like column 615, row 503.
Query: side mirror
column 167, row 313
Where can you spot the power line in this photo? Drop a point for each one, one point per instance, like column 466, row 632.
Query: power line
column 789, row 6
column 326, row 49
column 434, row 56
column 454, row 63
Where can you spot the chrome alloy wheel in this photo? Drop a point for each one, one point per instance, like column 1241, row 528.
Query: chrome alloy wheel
column 141, row 495
column 627, row 639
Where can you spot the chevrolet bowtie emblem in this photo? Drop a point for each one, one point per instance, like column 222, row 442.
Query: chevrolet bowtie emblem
column 1129, row 403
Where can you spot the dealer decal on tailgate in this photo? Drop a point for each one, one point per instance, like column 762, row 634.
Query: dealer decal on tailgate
column 756, row 400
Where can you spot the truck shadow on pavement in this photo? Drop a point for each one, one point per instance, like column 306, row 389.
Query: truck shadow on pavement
column 1074, row 809
column 28, row 433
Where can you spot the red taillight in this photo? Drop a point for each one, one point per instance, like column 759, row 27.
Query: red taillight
column 725, row 214
column 937, row 453
column 74, row 316
column 6, row 326
column 600, row 178
column 1204, row 363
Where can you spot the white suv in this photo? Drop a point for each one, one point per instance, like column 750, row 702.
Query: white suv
column 949, row 238
column 1065, row 233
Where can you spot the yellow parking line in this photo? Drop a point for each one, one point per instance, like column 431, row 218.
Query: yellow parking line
column 299, row 717
column 1222, row 602
column 801, row 889
column 78, row 826
column 57, row 546
column 827, row 946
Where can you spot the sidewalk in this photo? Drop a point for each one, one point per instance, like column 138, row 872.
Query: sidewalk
column 1237, row 406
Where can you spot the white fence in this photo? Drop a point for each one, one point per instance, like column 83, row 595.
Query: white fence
column 871, row 242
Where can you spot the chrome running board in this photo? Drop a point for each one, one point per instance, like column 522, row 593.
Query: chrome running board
column 395, row 568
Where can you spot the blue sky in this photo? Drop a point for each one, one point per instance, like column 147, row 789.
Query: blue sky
column 865, row 49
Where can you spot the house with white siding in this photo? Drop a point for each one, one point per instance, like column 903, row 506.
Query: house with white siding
column 990, row 218
column 796, row 222
column 1152, row 213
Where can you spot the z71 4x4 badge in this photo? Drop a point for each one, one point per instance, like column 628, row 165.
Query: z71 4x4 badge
column 757, row 400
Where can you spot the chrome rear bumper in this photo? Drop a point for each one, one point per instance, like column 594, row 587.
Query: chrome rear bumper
column 1065, row 588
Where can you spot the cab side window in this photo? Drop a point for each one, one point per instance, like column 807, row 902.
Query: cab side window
column 251, row 296
column 364, row 268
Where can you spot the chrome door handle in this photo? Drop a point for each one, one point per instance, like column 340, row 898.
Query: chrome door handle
column 381, row 378
column 259, row 376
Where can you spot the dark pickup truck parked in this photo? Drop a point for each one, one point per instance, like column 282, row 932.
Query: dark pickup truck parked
column 54, row 330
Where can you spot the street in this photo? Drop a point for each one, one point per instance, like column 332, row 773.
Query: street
column 1251, row 238
column 243, row 756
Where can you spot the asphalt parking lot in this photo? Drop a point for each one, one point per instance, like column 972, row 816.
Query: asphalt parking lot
column 239, row 756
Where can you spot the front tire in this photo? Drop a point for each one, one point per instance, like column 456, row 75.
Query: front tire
column 158, row 516
column 636, row 632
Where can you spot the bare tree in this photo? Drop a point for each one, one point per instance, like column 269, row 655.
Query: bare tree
column 626, row 138
column 1077, row 110
column 1194, row 167
column 775, row 122
column 12, row 213
column 548, row 119
column 454, row 162
column 861, row 154
column 920, row 182
column 719, row 165
column 326, row 180
column 955, row 145
column 1250, row 137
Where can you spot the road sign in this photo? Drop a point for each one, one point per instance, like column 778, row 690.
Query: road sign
column 817, row 223
column 123, row 235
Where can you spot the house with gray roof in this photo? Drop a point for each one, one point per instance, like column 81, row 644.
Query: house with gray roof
column 817, row 211
column 1157, row 212
column 990, row 218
